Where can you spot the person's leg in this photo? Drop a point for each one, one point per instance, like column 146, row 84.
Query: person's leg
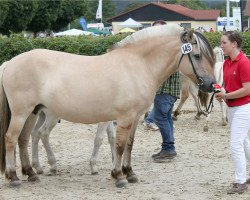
column 150, row 117
column 163, row 106
column 149, row 121
column 239, row 122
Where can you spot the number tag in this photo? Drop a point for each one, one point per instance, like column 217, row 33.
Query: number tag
column 186, row 48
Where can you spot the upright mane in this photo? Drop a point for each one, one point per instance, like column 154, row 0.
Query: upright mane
column 169, row 29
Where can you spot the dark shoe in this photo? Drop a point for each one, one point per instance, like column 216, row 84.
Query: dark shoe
column 237, row 188
column 157, row 154
column 164, row 156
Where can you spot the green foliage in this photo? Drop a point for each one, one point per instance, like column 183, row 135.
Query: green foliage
column 108, row 10
column 13, row 46
column 4, row 8
column 133, row 5
column 82, row 45
column 47, row 13
column 69, row 11
column 19, row 15
column 192, row 4
column 214, row 40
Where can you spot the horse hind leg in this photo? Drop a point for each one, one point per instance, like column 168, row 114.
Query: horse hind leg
column 23, row 142
column 111, row 137
column 97, row 143
column 45, row 130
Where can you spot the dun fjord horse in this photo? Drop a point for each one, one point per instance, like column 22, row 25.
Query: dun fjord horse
column 201, row 99
column 44, row 125
column 75, row 88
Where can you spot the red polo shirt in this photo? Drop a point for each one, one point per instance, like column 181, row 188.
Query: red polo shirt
column 235, row 73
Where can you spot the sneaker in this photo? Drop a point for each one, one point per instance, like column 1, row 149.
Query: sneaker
column 150, row 126
column 237, row 188
column 164, row 156
column 157, row 154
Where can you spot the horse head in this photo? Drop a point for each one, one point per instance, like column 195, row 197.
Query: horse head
column 198, row 60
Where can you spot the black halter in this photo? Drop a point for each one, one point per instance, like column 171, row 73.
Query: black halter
column 200, row 81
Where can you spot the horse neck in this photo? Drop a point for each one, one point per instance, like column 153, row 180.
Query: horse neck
column 161, row 57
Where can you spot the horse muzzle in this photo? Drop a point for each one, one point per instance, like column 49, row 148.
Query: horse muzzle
column 207, row 85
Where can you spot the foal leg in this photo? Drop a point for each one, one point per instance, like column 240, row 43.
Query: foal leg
column 97, row 143
column 111, row 138
column 23, row 142
column 126, row 168
column 35, row 137
column 44, row 132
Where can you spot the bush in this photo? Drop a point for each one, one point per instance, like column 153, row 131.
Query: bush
column 82, row 45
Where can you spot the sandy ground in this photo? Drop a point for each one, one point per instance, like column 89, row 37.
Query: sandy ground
column 202, row 170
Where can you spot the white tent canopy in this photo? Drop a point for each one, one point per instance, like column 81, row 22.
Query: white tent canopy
column 73, row 32
column 130, row 23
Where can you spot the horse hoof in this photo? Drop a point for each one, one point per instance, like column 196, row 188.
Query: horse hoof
column 197, row 117
column 174, row 118
column 132, row 179
column 33, row 178
column 94, row 173
column 123, row 183
column 224, row 124
column 39, row 171
column 15, row 183
column 205, row 129
column 53, row 171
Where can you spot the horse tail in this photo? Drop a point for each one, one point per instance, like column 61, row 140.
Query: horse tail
column 203, row 98
column 5, row 116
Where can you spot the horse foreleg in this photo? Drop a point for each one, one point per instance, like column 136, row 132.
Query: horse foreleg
column 23, row 142
column 126, row 168
column 122, row 132
column 97, row 143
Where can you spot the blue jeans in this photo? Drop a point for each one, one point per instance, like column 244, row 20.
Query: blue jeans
column 163, row 107
column 150, row 117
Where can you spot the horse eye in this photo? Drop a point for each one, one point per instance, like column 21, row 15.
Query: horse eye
column 197, row 56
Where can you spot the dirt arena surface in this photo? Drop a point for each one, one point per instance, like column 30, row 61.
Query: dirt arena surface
column 202, row 170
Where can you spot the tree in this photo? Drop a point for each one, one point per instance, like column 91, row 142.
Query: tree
column 47, row 13
column 133, row 5
column 69, row 11
column 108, row 10
column 17, row 15
column 4, row 11
column 192, row 4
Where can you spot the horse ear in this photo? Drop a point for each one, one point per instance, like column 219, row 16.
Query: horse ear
column 187, row 36
column 190, row 35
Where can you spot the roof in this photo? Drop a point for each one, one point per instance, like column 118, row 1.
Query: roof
column 193, row 14
column 247, row 9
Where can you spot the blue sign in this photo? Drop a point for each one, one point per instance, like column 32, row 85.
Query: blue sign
column 83, row 23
